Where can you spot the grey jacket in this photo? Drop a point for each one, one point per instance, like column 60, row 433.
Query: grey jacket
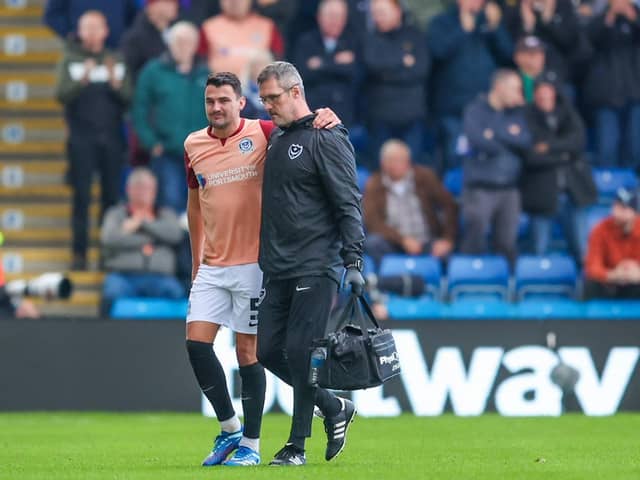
column 123, row 252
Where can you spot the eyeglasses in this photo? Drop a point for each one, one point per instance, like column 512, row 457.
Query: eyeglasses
column 271, row 99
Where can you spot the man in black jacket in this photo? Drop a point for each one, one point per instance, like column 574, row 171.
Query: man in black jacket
column 311, row 217
column 556, row 179
column 328, row 59
column 396, row 64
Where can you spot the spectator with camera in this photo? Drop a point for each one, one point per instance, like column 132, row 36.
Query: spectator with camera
column 612, row 266
column 406, row 208
column 138, row 242
column 556, row 179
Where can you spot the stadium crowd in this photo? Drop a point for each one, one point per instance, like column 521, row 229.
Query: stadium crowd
column 520, row 100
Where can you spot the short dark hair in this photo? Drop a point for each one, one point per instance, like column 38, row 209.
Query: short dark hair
column 225, row 78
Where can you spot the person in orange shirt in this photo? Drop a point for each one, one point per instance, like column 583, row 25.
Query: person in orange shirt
column 613, row 254
column 232, row 39
column 225, row 164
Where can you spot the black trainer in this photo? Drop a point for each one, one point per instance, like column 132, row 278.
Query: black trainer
column 289, row 455
column 336, row 428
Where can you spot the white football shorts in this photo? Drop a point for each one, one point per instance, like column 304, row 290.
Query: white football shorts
column 228, row 296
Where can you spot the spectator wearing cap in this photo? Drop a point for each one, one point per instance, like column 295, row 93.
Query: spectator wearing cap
column 556, row 180
column 406, row 208
column 167, row 106
column 554, row 22
column 612, row 265
column 499, row 138
column 529, row 57
column 612, row 87
column 467, row 43
column 145, row 39
column 62, row 16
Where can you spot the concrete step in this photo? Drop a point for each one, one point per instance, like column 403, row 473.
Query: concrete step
column 17, row 10
column 46, row 237
column 36, row 193
column 80, row 304
column 19, row 174
column 34, row 136
column 24, row 92
column 38, row 259
column 29, row 44
column 17, row 216
column 62, row 309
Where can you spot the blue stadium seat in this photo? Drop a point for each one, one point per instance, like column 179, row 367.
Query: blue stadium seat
column 425, row 266
column 595, row 215
column 425, row 307
column 467, row 309
column 369, row 266
column 612, row 309
column 608, row 180
column 453, row 181
column 549, row 308
column 142, row 308
column 482, row 277
column 524, row 223
column 363, row 177
column 542, row 276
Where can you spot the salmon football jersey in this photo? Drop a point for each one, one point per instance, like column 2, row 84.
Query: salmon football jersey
column 228, row 173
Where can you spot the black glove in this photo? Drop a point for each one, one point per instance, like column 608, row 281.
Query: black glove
column 355, row 280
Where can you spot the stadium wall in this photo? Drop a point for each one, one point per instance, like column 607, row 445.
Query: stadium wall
column 466, row 367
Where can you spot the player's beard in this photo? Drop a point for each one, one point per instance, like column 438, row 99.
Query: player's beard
column 220, row 123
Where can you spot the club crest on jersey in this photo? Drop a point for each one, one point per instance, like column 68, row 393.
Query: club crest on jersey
column 295, row 151
column 246, row 145
column 202, row 181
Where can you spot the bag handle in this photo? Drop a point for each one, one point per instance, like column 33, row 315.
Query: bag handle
column 349, row 313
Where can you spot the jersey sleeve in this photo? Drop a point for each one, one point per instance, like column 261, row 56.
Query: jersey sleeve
column 192, row 181
column 267, row 127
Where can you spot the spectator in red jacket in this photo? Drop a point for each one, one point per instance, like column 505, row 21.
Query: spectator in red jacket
column 613, row 256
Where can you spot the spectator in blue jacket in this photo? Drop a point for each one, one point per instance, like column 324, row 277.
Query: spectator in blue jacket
column 498, row 136
column 396, row 65
column 167, row 106
column 62, row 16
column 612, row 87
column 467, row 42
column 328, row 60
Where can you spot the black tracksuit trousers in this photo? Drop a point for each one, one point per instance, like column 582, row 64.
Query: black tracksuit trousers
column 291, row 315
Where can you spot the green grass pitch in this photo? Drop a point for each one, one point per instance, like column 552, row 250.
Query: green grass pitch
column 88, row 446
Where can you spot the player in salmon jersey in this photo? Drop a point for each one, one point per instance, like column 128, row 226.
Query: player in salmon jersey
column 225, row 163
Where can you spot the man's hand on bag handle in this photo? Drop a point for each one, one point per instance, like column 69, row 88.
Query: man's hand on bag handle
column 354, row 278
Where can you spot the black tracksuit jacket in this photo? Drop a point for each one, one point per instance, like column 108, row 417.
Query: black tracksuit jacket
column 311, row 213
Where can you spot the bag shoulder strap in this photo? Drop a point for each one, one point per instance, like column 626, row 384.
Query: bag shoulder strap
column 357, row 312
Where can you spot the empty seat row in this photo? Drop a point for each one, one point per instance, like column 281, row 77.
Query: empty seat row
column 485, row 277
column 426, row 309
